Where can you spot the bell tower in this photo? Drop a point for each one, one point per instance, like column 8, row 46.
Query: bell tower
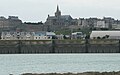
column 58, row 12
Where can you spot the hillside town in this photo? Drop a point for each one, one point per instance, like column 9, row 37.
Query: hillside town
column 59, row 26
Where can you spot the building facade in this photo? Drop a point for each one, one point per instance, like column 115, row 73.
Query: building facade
column 10, row 23
column 59, row 21
column 27, row 35
column 105, row 35
column 17, row 36
column 41, row 36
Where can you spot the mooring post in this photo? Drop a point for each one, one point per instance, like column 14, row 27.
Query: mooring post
column 19, row 46
column 86, row 45
column 119, row 46
column 53, row 47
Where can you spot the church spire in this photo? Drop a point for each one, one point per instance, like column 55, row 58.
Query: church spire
column 58, row 12
column 57, row 8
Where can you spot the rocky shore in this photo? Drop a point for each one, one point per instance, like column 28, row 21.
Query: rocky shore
column 85, row 73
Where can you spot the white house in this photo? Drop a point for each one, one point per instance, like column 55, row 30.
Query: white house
column 77, row 35
column 103, row 34
column 50, row 35
column 43, row 35
column 60, row 37
column 101, row 24
column 40, row 36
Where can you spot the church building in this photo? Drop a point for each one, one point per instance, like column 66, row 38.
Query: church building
column 59, row 19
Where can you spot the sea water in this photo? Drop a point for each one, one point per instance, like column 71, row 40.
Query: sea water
column 61, row 63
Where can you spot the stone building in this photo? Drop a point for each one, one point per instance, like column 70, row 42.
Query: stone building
column 4, row 23
column 109, row 21
column 32, row 27
column 101, row 24
column 10, row 23
column 96, row 23
column 82, row 23
column 59, row 21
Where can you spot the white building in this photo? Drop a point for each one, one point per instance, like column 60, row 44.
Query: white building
column 60, row 37
column 103, row 34
column 17, row 36
column 41, row 36
column 77, row 35
column 101, row 24
column 115, row 26
column 27, row 35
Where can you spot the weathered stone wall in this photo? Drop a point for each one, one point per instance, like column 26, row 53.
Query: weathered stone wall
column 18, row 47
column 103, row 46
column 103, row 49
column 69, row 46
column 59, row 46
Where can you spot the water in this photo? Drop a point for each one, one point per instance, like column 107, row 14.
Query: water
column 61, row 63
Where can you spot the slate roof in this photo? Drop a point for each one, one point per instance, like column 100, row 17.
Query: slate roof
column 66, row 17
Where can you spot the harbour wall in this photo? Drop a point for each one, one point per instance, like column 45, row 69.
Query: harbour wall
column 59, row 46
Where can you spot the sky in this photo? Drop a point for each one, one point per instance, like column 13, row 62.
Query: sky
column 38, row 10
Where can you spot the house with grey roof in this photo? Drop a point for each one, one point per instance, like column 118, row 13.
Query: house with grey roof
column 43, row 35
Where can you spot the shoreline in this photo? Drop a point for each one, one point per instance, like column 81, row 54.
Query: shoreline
column 84, row 73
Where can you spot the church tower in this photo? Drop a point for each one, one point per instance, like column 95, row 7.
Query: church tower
column 58, row 12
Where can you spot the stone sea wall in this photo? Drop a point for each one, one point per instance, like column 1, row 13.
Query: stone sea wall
column 59, row 46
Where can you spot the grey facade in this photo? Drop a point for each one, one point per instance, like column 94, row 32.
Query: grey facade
column 10, row 23
column 96, row 23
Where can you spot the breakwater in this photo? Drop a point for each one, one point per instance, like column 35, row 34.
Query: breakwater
column 85, row 73
column 59, row 46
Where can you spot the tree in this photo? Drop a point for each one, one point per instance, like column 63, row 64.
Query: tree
column 64, row 37
column 87, row 37
column 98, row 37
column 107, row 36
column 104, row 37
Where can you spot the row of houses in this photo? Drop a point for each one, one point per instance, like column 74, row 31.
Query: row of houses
column 27, row 35
column 51, row 35
column 105, row 22
column 39, row 36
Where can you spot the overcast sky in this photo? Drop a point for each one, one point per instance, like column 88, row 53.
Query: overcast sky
column 37, row 10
